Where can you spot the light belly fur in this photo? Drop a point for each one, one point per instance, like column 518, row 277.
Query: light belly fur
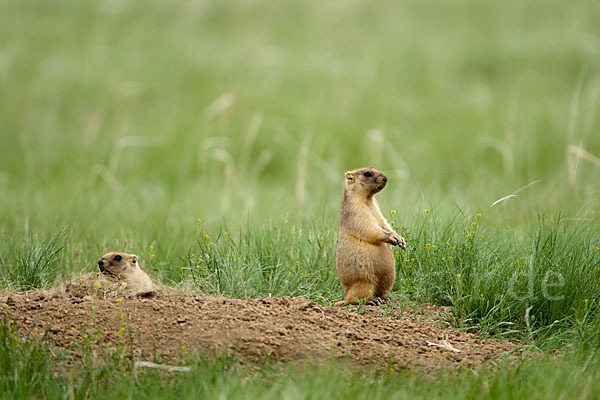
column 358, row 260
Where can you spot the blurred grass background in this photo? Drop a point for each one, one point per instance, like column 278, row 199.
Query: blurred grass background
column 127, row 120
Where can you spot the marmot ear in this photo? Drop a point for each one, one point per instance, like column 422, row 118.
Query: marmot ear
column 134, row 259
column 349, row 176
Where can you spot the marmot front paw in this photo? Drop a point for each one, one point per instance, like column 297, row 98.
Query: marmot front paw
column 397, row 240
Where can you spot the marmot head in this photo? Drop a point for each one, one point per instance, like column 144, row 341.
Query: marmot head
column 114, row 263
column 366, row 181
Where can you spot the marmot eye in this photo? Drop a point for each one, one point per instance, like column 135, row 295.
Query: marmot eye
column 368, row 174
column 117, row 258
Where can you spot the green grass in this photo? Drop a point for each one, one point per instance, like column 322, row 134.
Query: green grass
column 33, row 262
column 124, row 123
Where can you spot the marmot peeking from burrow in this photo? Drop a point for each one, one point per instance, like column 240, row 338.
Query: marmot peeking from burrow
column 124, row 267
column 363, row 258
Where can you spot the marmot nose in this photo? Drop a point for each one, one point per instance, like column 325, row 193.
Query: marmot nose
column 384, row 179
column 100, row 262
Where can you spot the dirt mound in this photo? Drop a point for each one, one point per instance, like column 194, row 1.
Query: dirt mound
column 283, row 329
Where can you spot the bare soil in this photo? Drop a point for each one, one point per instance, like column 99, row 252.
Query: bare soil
column 281, row 329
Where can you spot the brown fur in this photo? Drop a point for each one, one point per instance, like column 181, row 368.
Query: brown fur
column 125, row 268
column 363, row 258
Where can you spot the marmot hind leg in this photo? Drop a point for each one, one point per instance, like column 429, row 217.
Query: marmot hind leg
column 377, row 301
column 357, row 292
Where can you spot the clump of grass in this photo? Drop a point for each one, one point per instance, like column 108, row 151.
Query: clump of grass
column 32, row 263
column 497, row 282
column 291, row 260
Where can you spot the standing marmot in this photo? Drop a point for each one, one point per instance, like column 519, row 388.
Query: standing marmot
column 125, row 268
column 363, row 258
